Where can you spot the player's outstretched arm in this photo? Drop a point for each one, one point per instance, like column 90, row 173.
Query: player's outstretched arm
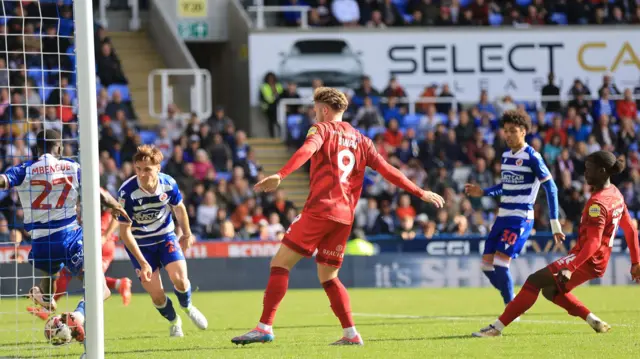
column 473, row 190
column 187, row 239
column 299, row 158
column 107, row 200
column 397, row 178
column 631, row 236
column 127, row 237
column 111, row 230
column 551, row 190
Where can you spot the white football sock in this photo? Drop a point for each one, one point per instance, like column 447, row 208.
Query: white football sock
column 498, row 325
column 118, row 281
column 79, row 317
column 266, row 328
column 592, row 319
column 350, row 332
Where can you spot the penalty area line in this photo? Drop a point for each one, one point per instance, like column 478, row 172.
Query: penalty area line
column 474, row 319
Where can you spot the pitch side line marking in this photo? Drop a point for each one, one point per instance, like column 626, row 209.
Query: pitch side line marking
column 474, row 319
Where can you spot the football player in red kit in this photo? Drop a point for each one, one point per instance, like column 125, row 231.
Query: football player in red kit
column 588, row 259
column 339, row 156
column 108, row 226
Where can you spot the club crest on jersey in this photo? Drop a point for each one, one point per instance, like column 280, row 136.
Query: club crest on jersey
column 312, row 131
column 163, row 196
column 519, row 162
column 594, row 210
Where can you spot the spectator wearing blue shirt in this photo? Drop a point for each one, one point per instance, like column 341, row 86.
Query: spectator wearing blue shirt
column 293, row 18
column 604, row 106
column 485, row 105
column 579, row 131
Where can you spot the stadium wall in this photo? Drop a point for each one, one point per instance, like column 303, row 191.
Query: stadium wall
column 501, row 60
column 382, row 271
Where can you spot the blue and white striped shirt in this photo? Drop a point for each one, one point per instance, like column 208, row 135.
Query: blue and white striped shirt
column 150, row 212
column 522, row 173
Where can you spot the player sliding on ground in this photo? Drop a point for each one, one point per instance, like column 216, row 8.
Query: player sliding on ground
column 339, row 155
column 522, row 173
column 49, row 189
column 123, row 285
column 149, row 198
column 588, row 259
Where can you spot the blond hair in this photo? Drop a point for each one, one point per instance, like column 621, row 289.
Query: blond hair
column 331, row 97
column 148, row 153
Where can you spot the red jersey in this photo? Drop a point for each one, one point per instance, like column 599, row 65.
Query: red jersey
column 339, row 156
column 604, row 212
column 105, row 222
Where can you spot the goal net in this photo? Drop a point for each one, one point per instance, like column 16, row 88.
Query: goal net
column 38, row 91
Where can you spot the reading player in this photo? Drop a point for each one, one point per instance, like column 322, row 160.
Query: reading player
column 149, row 198
column 522, row 172
column 108, row 225
column 339, row 155
column 603, row 213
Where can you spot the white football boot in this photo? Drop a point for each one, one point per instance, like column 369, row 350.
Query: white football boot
column 486, row 332
column 38, row 297
column 175, row 330
column 198, row 319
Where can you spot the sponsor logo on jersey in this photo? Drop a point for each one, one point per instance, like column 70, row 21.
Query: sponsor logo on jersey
column 339, row 248
column 163, row 196
column 512, row 178
column 519, row 162
column 312, row 131
column 594, row 210
column 148, row 215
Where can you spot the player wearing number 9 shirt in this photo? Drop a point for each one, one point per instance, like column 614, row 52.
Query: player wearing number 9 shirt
column 603, row 214
column 339, row 156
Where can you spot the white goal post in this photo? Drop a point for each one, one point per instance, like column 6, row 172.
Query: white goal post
column 88, row 131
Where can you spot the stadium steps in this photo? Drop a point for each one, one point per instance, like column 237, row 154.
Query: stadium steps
column 138, row 58
column 272, row 154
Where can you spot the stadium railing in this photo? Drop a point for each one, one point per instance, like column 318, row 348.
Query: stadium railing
column 532, row 104
column 259, row 9
column 134, row 22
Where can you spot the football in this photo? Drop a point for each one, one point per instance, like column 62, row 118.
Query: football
column 56, row 331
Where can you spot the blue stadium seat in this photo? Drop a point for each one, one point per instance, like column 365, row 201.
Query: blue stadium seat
column 357, row 101
column 559, row 18
column 411, row 121
column 293, row 126
column 533, row 116
column 66, row 27
column 361, row 130
column 223, row 176
column 465, row 3
column 3, row 20
column 373, row 131
column 148, row 137
column 124, row 91
column 548, row 117
column 38, row 75
column 495, row 19
column 523, row 2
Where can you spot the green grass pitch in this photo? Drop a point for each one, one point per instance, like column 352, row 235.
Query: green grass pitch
column 395, row 323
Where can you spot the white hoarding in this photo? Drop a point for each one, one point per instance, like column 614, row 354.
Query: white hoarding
column 503, row 61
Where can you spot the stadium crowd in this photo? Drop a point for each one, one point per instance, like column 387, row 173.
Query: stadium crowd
column 388, row 13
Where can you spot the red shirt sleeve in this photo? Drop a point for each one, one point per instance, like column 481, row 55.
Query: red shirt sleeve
column 390, row 173
column 315, row 139
column 594, row 223
column 631, row 236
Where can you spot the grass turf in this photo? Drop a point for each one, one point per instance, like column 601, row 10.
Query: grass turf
column 398, row 323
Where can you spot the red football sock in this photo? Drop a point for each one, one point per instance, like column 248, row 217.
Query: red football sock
column 572, row 305
column 61, row 284
column 276, row 289
column 111, row 282
column 340, row 303
column 520, row 304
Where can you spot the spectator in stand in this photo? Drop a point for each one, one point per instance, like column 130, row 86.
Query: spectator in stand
column 604, row 105
column 578, row 12
column 270, row 92
column 293, row 18
column 368, row 115
column 444, row 18
column 551, row 90
column 393, row 137
column 599, row 16
column 376, row 21
column 394, row 89
column 579, row 131
column 604, row 134
column 480, row 11
column 391, row 15
column 321, row 7
column 109, row 67
column 534, row 17
column 445, row 99
column 607, row 83
column 617, row 16
column 429, row 11
column 346, row 12
column 627, row 108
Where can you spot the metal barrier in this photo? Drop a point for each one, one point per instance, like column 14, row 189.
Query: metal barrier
column 201, row 98
column 260, row 9
column 538, row 101
column 134, row 22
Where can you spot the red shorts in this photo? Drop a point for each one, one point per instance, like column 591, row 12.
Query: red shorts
column 584, row 273
column 108, row 252
column 308, row 233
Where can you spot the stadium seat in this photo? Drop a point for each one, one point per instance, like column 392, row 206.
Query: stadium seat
column 223, row 176
column 495, row 19
column 559, row 18
column 523, row 2
column 411, row 121
column 148, row 137
column 465, row 3
column 123, row 89
column 548, row 117
column 373, row 131
column 293, row 126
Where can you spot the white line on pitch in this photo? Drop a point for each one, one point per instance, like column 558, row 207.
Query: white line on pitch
column 473, row 319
